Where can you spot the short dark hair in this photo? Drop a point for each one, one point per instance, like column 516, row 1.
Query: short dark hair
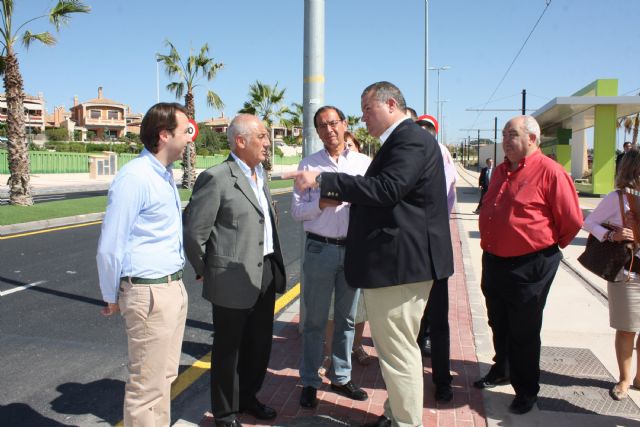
column 325, row 108
column 626, row 144
column 412, row 113
column 383, row 91
column 161, row 116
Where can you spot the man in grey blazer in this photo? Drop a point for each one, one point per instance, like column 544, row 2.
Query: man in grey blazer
column 230, row 238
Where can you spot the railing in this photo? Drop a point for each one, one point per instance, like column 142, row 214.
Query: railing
column 51, row 162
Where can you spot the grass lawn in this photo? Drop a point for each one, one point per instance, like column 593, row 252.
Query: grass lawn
column 62, row 208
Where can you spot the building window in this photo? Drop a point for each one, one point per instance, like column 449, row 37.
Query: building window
column 94, row 114
column 112, row 115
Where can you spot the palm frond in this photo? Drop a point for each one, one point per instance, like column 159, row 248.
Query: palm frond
column 45, row 38
column 177, row 88
column 60, row 13
column 213, row 100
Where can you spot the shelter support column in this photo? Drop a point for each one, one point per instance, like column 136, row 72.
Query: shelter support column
column 604, row 149
column 578, row 153
column 563, row 149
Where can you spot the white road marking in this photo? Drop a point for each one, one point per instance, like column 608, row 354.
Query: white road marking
column 21, row 288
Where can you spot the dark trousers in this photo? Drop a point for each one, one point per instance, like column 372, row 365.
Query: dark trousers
column 241, row 349
column 435, row 325
column 516, row 290
column 483, row 191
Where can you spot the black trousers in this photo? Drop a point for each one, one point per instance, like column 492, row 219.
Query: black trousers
column 482, row 193
column 241, row 349
column 435, row 325
column 516, row 290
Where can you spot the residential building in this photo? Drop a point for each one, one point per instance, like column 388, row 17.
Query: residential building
column 34, row 113
column 105, row 117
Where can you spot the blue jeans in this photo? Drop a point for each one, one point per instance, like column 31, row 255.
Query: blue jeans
column 323, row 269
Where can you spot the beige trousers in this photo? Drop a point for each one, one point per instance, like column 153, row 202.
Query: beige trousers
column 154, row 318
column 394, row 318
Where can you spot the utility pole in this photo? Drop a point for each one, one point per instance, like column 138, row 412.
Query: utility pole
column 313, row 72
column 426, row 57
column 495, row 140
column 524, row 101
column 479, row 130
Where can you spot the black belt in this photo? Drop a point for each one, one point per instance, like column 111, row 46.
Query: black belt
column 165, row 279
column 546, row 251
column 330, row 240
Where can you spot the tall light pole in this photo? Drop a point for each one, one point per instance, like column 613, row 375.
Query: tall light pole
column 438, row 69
column 313, row 72
column 442, row 135
column 426, row 57
column 158, row 60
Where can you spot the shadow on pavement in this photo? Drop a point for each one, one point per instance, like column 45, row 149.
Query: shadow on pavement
column 102, row 398
column 21, row 414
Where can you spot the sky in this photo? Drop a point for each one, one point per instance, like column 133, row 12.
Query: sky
column 114, row 46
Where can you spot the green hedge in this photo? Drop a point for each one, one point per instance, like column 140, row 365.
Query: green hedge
column 54, row 162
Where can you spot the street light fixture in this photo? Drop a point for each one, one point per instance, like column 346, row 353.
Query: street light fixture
column 438, row 69
column 158, row 61
column 426, row 57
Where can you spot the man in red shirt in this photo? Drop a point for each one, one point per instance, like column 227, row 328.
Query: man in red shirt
column 530, row 209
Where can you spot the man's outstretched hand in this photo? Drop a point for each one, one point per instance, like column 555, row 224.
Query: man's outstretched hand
column 303, row 179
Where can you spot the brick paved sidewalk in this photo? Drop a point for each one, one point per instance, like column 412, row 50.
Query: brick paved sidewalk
column 282, row 385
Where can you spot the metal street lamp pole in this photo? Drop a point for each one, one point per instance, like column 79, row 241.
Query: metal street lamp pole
column 426, row 57
column 158, row 79
column 438, row 69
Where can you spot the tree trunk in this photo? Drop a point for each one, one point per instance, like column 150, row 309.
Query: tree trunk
column 19, row 188
column 189, row 156
column 636, row 122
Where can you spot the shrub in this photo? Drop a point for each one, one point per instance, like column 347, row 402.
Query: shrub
column 57, row 134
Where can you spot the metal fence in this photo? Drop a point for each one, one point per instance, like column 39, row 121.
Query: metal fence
column 52, row 162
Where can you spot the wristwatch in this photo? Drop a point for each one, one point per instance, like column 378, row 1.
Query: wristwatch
column 319, row 179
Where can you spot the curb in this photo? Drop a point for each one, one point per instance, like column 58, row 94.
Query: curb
column 26, row 227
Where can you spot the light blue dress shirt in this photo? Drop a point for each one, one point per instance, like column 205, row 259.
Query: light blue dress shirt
column 142, row 228
column 262, row 199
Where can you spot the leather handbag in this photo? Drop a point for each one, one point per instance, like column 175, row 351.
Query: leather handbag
column 606, row 259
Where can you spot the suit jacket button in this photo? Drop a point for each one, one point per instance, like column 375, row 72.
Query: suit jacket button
column 259, row 264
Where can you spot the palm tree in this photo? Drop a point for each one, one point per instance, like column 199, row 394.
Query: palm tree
column 266, row 102
column 20, row 191
column 189, row 73
column 631, row 124
column 295, row 116
column 353, row 122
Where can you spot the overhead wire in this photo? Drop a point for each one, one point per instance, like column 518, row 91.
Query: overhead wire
column 548, row 3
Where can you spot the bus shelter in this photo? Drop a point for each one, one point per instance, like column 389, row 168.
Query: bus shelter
column 565, row 122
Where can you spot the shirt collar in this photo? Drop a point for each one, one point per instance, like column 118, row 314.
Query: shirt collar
column 161, row 169
column 246, row 170
column 390, row 129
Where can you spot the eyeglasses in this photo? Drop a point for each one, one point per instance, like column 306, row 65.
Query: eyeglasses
column 332, row 124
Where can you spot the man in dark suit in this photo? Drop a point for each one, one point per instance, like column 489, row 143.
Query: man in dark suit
column 398, row 241
column 230, row 238
column 483, row 181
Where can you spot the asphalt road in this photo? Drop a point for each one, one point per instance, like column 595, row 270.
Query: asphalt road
column 62, row 363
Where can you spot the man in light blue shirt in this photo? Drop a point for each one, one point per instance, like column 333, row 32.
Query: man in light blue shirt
column 140, row 260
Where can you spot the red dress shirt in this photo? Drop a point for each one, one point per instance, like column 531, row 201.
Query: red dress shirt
column 529, row 209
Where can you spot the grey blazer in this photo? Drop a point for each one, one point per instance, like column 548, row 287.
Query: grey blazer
column 223, row 237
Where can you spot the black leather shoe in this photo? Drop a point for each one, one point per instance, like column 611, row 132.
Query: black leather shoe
column 259, row 411
column 350, row 390
column 308, row 397
column 382, row 421
column 233, row 423
column 490, row 381
column 425, row 347
column 444, row 393
column 522, row 404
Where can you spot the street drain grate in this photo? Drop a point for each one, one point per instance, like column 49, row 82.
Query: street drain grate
column 574, row 380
